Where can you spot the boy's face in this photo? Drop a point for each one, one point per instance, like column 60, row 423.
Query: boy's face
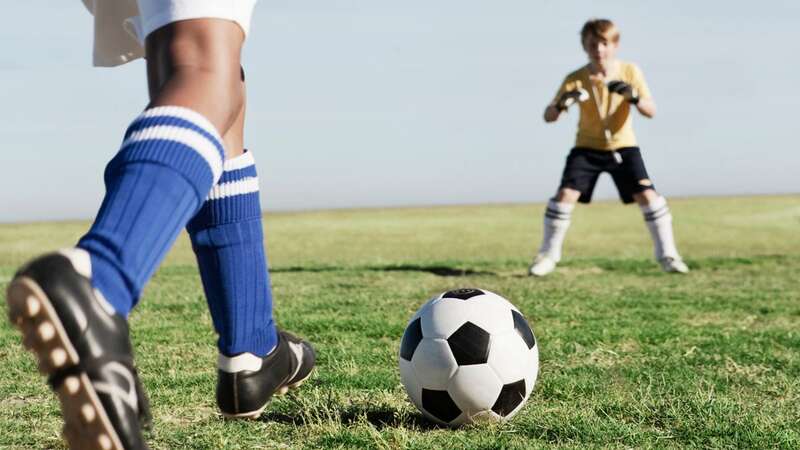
column 599, row 50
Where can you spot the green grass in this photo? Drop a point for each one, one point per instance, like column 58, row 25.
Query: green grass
column 630, row 357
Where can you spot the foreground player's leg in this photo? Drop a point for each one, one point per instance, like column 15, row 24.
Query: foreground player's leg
column 658, row 218
column 557, row 218
column 256, row 360
column 72, row 306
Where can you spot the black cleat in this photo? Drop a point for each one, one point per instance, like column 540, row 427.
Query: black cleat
column 246, row 382
column 83, row 348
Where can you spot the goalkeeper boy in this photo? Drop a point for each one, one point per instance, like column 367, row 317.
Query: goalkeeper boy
column 607, row 91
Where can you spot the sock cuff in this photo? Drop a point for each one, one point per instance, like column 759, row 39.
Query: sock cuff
column 178, row 138
column 558, row 211
column 655, row 210
column 239, row 177
column 234, row 198
column 240, row 162
column 656, row 204
column 180, row 112
column 560, row 206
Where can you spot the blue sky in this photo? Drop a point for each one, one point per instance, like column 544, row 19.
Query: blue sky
column 386, row 103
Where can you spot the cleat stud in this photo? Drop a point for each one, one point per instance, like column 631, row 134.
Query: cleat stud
column 58, row 357
column 88, row 413
column 46, row 331
column 32, row 306
column 73, row 385
column 104, row 441
column 283, row 390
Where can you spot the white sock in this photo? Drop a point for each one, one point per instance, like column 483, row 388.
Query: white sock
column 556, row 222
column 659, row 222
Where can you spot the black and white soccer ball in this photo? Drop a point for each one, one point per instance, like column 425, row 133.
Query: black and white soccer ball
column 468, row 355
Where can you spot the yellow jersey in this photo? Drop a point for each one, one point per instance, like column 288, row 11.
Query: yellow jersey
column 605, row 122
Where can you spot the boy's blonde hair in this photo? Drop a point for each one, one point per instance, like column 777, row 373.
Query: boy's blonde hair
column 600, row 28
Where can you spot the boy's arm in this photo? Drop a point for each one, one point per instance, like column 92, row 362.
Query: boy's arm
column 635, row 91
column 552, row 111
column 645, row 105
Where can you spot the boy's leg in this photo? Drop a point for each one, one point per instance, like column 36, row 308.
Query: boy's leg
column 227, row 238
column 634, row 184
column 557, row 218
column 171, row 157
column 658, row 218
column 72, row 306
column 581, row 171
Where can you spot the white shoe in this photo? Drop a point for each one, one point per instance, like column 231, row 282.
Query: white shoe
column 673, row 265
column 542, row 266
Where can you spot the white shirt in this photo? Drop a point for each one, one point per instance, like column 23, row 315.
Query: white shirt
column 116, row 38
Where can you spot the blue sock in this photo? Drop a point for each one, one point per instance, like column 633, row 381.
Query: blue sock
column 228, row 241
column 169, row 159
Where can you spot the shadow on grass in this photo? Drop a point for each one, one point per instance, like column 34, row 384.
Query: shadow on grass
column 440, row 270
column 650, row 267
column 632, row 266
column 596, row 266
column 380, row 417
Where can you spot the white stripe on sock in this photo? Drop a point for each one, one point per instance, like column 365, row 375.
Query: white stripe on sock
column 196, row 141
column 186, row 114
column 238, row 187
column 240, row 162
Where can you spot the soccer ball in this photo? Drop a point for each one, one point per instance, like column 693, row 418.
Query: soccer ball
column 468, row 355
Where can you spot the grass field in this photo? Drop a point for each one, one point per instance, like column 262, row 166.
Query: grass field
column 630, row 357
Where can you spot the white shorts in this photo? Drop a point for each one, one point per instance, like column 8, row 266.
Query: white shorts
column 121, row 26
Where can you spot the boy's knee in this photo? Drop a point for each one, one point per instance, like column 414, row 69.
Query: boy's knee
column 567, row 195
column 646, row 197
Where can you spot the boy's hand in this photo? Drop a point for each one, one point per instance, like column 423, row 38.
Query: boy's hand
column 624, row 89
column 568, row 98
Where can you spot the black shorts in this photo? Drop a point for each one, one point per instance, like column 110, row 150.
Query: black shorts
column 584, row 166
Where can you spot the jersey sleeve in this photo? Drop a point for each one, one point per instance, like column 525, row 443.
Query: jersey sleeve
column 567, row 85
column 637, row 81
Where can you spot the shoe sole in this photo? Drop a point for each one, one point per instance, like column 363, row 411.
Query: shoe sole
column 281, row 391
column 86, row 424
column 540, row 274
